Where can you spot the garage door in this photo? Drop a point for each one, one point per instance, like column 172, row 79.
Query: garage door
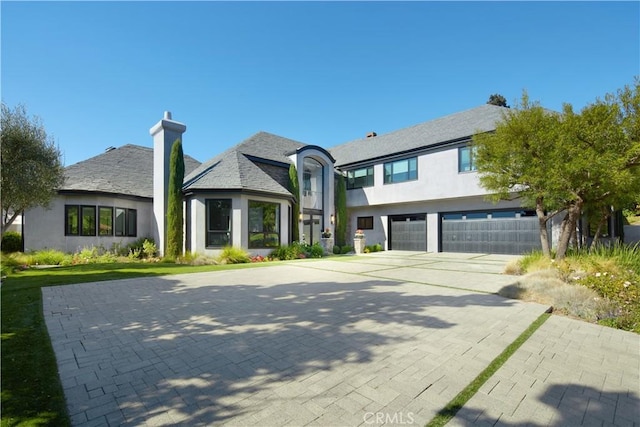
column 495, row 232
column 408, row 232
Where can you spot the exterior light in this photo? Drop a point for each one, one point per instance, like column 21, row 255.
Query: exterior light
column 300, row 217
column 333, row 219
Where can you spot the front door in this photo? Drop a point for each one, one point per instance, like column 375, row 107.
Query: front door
column 312, row 229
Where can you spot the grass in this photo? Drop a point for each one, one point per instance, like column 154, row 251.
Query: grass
column 452, row 408
column 31, row 391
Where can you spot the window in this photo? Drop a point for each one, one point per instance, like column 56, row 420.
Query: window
column 132, row 222
column 401, row 170
column 365, row 223
column 126, row 223
column 105, row 221
column 218, row 232
column 264, row 224
column 359, row 178
column 71, row 215
column 91, row 220
column 466, row 159
column 88, row 216
column 312, row 184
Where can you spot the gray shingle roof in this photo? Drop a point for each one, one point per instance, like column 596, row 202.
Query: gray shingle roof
column 234, row 170
column 127, row 170
column 448, row 128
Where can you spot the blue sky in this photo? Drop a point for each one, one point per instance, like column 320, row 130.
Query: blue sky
column 101, row 74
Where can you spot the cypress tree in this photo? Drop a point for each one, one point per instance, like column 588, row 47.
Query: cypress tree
column 341, row 211
column 294, row 187
column 174, row 201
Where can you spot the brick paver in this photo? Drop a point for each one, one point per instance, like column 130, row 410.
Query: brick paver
column 569, row 373
column 279, row 345
column 356, row 341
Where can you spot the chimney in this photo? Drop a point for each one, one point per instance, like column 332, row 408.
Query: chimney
column 371, row 134
column 164, row 134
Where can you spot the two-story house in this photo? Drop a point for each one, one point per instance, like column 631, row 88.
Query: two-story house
column 413, row 189
column 417, row 189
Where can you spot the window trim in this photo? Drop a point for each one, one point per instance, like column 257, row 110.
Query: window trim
column 278, row 230
column 388, row 179
column 207, row 245
column 95, row 220
column 369, row 177
column 99, row 222
column 472, row 163
column 361, row 222
column 66, row 220
column 126, row 227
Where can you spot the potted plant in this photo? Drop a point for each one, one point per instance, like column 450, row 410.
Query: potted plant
column 359, row 241
column 327, row 241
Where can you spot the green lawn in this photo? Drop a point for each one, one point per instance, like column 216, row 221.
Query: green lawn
column 31, row 390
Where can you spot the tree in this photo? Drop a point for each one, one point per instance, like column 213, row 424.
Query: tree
column 497, row 99
column 31, row 165
column 606, row 138
column 341, row 211
column 518, row 159
column 174, row 201
column 294, row 188
column 565, row 162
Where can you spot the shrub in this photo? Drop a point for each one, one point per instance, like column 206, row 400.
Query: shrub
column 48, row 257
column 373, row 248
column 233, row 255
column 149, row 248
column 610, row 274
column 346, row 249
column 284, row 252
column 194, row 258
column 336, row 250
column 88, row 254
column 535, row 261
column 138, row 244
column 12, row 262
column 106, row 258
column 134, row 254
column 11, row 242
column 314, row 251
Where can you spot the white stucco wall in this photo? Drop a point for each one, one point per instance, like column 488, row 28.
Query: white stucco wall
column 44, row 228
column 438, row 178
column 439, row 188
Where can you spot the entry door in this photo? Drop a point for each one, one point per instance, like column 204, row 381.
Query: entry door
column 312, row 228
column 408, row 232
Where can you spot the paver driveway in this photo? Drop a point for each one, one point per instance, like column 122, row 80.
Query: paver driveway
column 357, row 342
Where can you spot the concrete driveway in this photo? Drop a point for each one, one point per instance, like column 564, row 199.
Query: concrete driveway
column 385, row 338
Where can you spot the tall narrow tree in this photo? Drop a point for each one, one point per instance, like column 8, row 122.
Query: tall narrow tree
column 341, row 211
column 174, row 201
column 294, row 188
